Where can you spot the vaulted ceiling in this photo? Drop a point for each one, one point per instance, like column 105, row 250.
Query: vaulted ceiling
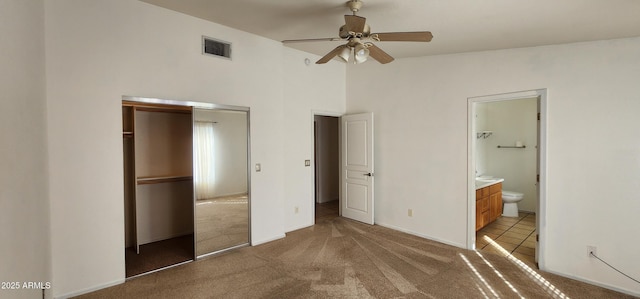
column 457, row 25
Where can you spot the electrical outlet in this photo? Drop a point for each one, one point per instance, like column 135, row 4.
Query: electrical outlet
column 410, row 213
column 295, row 210
column 591, row 249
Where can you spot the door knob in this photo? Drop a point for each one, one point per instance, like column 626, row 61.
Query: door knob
column 369, row 174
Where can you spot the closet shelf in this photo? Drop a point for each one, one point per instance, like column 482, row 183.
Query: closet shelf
column 163, row 179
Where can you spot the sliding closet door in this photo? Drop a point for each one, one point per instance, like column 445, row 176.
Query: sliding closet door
column 221, row 181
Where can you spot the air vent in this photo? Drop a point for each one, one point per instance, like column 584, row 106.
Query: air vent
column 215, row 47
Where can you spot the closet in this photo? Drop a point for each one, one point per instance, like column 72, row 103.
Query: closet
column 158, row 181
column 186, row 181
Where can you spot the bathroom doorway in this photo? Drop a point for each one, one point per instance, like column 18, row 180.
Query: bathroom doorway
column 506, row 150
column 326, row 132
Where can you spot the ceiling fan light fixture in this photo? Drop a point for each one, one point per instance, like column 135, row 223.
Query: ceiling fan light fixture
column 361, row 53
column 345, row 54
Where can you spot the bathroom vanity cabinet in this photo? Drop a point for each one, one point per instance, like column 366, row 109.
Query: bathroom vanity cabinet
column 495, row 201
column 488, row 205
column 482, row 207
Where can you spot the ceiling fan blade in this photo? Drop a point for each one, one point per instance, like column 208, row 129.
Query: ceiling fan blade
column 419, row 36
column 328, row 39
column 378, row 54
column 354, row 23
column 331, row 54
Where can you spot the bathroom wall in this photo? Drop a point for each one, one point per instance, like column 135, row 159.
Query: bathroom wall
column 512, row 121
column 481, row 148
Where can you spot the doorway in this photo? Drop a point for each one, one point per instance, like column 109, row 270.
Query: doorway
column 326, row 137
column 507, row 145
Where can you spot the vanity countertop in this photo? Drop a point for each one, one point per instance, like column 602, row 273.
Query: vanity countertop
column 486, row 182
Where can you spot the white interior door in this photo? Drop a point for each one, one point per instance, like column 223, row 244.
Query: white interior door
column 357, row 167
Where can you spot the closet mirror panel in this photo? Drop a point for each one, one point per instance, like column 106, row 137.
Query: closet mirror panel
column 220, row 178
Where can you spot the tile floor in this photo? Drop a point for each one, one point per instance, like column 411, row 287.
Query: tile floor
column 515, row 234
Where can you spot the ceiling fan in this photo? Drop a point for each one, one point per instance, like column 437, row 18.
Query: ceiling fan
column 358, row 36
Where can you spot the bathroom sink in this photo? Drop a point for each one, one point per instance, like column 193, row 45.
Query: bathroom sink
column 485, row 180
column 482, row 182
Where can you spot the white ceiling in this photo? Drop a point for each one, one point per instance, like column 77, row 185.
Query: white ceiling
column 457, row 25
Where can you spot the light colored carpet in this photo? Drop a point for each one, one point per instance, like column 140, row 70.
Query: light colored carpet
column 339, row 258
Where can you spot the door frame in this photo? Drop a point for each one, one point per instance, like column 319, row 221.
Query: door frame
column 315, row 113
column 541, row 94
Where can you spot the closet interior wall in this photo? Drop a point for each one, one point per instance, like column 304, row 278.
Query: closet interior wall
column 158, row 174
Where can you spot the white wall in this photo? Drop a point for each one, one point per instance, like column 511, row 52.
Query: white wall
column 327, row 158
column 308, row 89
column 98, row 51
column 593, row 146
column 24, row 205
column 512, row 121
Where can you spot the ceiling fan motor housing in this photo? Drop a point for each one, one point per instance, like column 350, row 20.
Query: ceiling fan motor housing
column 345, row 34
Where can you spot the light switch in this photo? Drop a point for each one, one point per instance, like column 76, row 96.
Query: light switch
column 307, row 162
column 258, row 167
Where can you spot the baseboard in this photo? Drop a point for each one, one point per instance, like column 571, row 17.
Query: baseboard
column 278, row 237
column 91, row 289
column 295, row 228
column 595, row 283
column 421, row 235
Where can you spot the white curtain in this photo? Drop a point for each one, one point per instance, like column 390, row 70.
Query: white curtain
column 204, row 170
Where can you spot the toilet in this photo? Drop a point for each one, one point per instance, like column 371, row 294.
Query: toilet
column 510, row 200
